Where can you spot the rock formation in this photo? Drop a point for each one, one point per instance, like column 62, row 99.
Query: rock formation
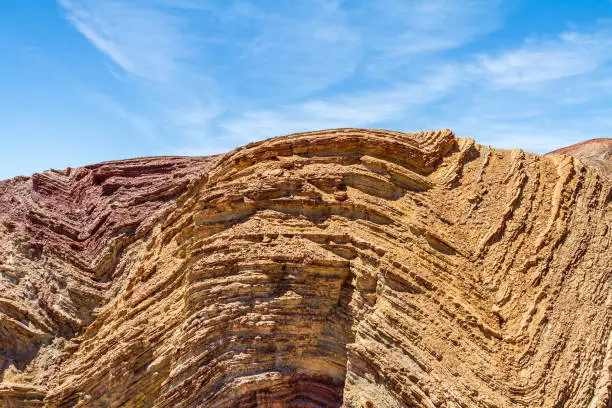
column 356, row 268
column 595, row 152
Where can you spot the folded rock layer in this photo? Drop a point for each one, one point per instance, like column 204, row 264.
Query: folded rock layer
column 595, row 152
column 348, row 267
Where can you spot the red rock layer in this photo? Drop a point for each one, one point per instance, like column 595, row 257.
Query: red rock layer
column 343, row 267
column 63, row 234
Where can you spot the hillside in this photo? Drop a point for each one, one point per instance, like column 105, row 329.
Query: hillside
column 595, row 153
column 347, row 267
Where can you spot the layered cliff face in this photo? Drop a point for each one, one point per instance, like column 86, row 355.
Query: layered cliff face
column 345, row 267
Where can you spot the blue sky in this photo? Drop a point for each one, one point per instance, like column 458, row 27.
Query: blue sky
column 82, row 81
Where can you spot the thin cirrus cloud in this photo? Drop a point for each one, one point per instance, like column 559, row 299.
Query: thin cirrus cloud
column 571, row 53
column 362, row 109
column 418, row 26
column 543, row 94
column 144, row 41
column 216, row 74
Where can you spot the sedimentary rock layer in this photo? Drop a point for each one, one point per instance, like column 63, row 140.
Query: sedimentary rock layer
column 345, row 267
column 595, row 153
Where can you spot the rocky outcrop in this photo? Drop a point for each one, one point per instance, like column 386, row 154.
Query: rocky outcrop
column 345, row 267
column 595, row 153
column 63, row 235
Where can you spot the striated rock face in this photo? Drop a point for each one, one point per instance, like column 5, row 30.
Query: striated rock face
column 595, row 152
column 348, row 267
column 62, row 238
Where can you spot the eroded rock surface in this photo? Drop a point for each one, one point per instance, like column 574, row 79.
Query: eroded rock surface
column 344, row 267
column 595, row 153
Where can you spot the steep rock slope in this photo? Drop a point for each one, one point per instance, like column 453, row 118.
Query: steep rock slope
column 345, row 267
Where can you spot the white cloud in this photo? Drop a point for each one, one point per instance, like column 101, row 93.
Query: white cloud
column 536, row 61
column 144, row 41
column 365, row 109
column 267, row 60
column 152, row 50
column 222, row 73
column 432, row 25
column 293, row 53
column 536, row 136
column 552, row 115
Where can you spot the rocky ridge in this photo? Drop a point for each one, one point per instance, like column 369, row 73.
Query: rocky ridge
column 348, row 267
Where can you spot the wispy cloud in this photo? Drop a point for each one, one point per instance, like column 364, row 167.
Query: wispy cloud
column 215, row 74
column 362, row 109
column 286, row 52
column 418, row 26
column 233, row 65
column 144, row 41
column 571, row 53
column 153, row 49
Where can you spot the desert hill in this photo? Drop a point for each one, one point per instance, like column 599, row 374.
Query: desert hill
column 347, row 267
column 595, row 153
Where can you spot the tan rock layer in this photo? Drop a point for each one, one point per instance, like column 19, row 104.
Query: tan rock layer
column 344, row 267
